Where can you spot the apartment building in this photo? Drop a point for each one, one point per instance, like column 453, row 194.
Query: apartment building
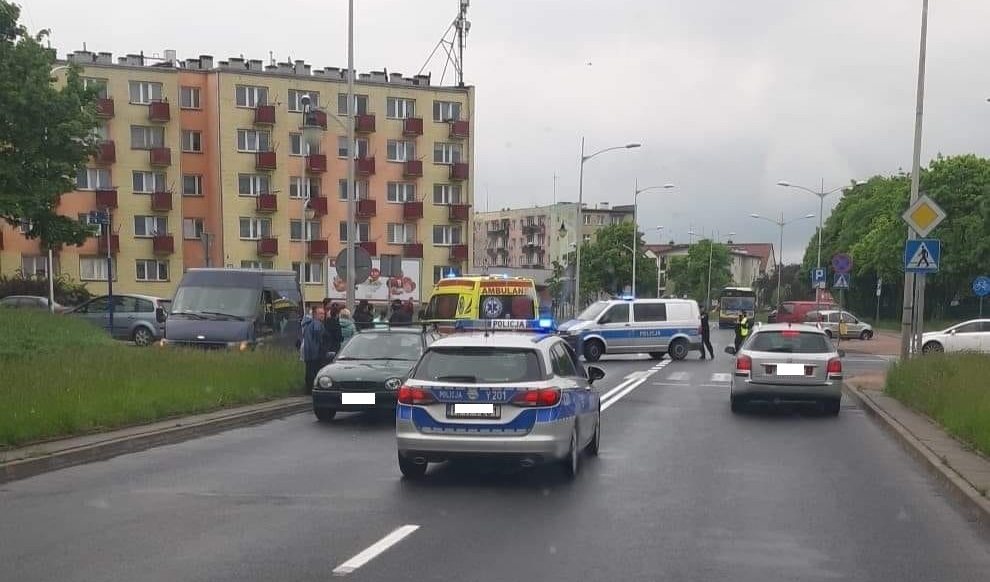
column 534, row 237
column 206, row 164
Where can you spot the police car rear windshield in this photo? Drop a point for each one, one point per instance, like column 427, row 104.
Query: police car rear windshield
column 789, row 342
column 480, row 365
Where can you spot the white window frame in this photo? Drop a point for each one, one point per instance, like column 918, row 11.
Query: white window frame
column 260, row 184
column 360, row 190
column 443, row 111
column 254, row 140
column 102, row 84
column 312, row 272
column 194, row 225
column 148, row 140
column 250, row 96
column 314, row 230
column 158, row 268
column 400, row 107
column 192, row 141
column 197, row 180
column 296, row 145
column 96, row 179
column 587, row 219
column 400, row 150
column 361, row 102
column 150, row 224
column 37, row 261
column 446, row 239
column 258, row 228
column 360, row 150
column 189, row 97
column 157, row 181
column 296, row 94
column 444, row 194
column 400, row 192
column 94, row 268
column 258, row 265
column 447, row 153
column 363, row 231
column 400, row 233
column 89, row 220
column 301, row 188
column 144, row 92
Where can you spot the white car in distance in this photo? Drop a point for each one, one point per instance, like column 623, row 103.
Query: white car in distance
column 968, row 336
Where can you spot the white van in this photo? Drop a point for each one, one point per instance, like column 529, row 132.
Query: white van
column 635, row 326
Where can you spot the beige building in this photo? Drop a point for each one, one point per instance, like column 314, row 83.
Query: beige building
column 749, row 261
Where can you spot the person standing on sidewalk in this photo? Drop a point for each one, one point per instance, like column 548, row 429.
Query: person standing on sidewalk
column 314, row 346
column 706, row 336
column 347, row 328
column 332, row 336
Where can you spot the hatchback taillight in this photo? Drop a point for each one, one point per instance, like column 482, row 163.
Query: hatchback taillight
column 411, row 395
column 744, row 364
column 541, row 397
column 834, row 366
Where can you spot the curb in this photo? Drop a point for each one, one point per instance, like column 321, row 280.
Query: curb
column 976, row 507
column 132, row 443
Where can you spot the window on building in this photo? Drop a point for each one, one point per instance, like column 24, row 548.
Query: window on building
column 147, row 182
column 313, row 231
column 255, row 228
column 360, row 101
column 145, row 137
column 189, row 97
column 36, row 265
column 253, row 184
column 446, row 235
column 446, row 194
column 253, row 140
column 399, row 150
column 148, row 226
column 98, row 85
column 151, row 270
column 91, row 221
column 360, row 190
column 401, row 233
column 192, row 185
column 298, row 147
column 192, row 141
column 295, row 96
column 616, row 220
column 312, row 271
column 401, row 192
column 95, row 268
column 192, row 228
column 601, row 219
column 304, row 187
column 92, row 178
column 400, row 108
column 360, row 143
column 363, row 231
column 446, row 153
column 586, row 238
column 444, row 272
column 251, row 96
column 101, row 132
column 144, row 92
column 446, row 111
column 587, row 219
column 257, row 264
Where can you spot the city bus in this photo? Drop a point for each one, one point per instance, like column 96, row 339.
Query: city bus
column 733, row 302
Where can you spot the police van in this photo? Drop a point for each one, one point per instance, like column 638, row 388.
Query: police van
column 635, row 326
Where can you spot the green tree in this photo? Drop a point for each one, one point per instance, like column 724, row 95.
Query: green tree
column 689, row 275
column 46, row 133
column 606, row 264
column 794, row 285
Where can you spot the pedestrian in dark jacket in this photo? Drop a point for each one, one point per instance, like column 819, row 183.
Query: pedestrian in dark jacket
column 332, row 335
column 363, row 318
column 399, row 314
column 706, row 336
column 313, row 348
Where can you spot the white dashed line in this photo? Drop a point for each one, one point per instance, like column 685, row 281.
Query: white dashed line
column 620, row 391
column 374, row 550
column 677, row 376
column 721, row 377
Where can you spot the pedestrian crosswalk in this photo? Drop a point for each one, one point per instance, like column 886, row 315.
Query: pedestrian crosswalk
column 695, row 378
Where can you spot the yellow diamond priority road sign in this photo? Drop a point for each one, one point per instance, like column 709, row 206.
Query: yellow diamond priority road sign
column 924, row 215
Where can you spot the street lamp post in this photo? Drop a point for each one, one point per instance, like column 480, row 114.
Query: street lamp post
column 351, row 226
column 711, row 256
column 579, row 226
column 780, row 254
column 635, row 246
column 310, row 136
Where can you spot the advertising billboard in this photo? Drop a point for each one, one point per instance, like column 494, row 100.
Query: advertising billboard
column 404, row 287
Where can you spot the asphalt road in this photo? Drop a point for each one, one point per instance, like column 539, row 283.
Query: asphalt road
column 683, row 490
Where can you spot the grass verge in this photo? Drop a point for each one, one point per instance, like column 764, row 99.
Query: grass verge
column 950, row 388
column 62, row 376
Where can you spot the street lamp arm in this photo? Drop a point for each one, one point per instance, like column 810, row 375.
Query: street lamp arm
column 648, row 188
column 599, row 152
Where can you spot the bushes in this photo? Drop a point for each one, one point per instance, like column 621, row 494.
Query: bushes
column 67, row 291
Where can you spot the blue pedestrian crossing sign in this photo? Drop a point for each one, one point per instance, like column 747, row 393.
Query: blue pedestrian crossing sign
column 922, row 255
column 840, row 281
column 818, row 278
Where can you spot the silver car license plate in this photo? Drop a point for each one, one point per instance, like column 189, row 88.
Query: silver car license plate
column 473, row 410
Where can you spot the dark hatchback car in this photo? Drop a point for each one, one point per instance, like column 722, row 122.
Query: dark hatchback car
column 368, row 371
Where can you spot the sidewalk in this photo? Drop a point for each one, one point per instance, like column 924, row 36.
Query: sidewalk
column 884, row 343
column 965, row 472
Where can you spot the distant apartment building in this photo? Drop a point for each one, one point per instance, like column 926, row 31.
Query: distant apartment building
column 205, row 164
column 533, row 238
column 749, row 261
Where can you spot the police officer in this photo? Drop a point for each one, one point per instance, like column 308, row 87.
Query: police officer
column 706, row 339
column 742, row 329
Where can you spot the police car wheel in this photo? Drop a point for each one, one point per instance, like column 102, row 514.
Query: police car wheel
column 596, row 441
column 678, row 349
column 324, row 414
column 593, row 350
column 411, row 470
column 572, row 463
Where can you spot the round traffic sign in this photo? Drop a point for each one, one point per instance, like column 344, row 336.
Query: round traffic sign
column 362, row 265
column 842, row 263
column 981, row 286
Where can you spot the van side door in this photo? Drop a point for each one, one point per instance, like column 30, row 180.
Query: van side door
column 649, row 325
column 614, row 326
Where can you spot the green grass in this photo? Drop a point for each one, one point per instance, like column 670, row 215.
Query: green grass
column 62, row 376
column 950, row 388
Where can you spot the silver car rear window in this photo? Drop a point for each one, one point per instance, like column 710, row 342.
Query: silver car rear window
column 479, row 365
column 789, row 342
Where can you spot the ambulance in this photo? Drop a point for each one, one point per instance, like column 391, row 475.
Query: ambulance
column 477, row 297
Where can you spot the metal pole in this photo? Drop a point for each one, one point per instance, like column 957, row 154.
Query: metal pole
column 913, row 295
column 821, row 225
column 305, row 200
column 110, row 270
column 351, row 106
column 579, row 237
column 635, row 234
column 876, row 320
column 981, row 306
column 780, row 261
column 711, row 254
column 51, row 279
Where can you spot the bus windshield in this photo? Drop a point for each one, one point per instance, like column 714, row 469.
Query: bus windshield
column 737, row 299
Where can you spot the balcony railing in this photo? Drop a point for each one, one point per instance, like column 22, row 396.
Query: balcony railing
column 366, row 208
column 159, row 111
column 412, row 210
column 161, row 201
column 163, row 244
column 101, row 244
column 364, row 166
column 106, row 198
column 533, row 228
column 458, row 212
column 412, row 126
column 459, row 171
column 370, row 246
column 267, row 246
column 264, row 115
column 266, row 203
column 106, row 152
column 104, row 108
column 317, row 248
column 160, row 157
column 458, row 253
column 412, row 250
column 315, row 118
column 460, row 129
column 412, row 169
column 265, row 161
column 316, row 163
column 318, row 204
column 364, row 123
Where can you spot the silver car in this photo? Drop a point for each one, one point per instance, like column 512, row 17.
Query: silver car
column 502, row 395
column 829, row 320
column 134, row 316
column 787, row 362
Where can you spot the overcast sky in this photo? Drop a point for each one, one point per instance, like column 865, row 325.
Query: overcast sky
column 726, row 96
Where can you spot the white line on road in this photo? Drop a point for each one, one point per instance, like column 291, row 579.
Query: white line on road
column 677, row 376
column 721, row 377
column 374, row 550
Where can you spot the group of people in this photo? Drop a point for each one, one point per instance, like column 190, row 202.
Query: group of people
column 743, row 327
column 366, row 316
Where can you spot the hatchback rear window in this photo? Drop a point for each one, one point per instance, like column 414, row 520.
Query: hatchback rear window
column 481, row 365
column 789, row 342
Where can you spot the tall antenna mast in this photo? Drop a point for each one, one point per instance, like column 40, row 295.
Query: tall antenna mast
column 463, row 26
column 453, row 42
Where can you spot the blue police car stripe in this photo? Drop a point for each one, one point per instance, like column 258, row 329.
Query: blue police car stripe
column 520, row 425
column 642, row 332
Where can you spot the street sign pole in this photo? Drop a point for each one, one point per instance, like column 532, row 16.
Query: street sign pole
column 109, row 236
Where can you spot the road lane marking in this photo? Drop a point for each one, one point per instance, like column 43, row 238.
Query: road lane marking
column 374, row 550
column 677, row 376
column 620, row 395
column 721, row 377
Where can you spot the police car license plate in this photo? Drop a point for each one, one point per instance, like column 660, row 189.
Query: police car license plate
column 357, row 398
column 473, row 410
column 790, row 369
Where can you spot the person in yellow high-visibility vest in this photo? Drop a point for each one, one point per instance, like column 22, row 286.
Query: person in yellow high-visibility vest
column 742, row 329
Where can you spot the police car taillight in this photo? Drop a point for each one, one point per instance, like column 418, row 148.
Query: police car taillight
column 541, row 397
column 410, row 395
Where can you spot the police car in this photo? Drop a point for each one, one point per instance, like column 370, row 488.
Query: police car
column 501, row 389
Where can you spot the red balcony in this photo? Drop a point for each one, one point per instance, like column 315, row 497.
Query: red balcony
column 106, row 153
column 458, row 212
column 459, row 171
column 161, row 201
column 104, row 108
column 412, row 250
column 315, row 119
column 370, row 246
column 158, row 111
column 317, row 248
column 101, row 245
column 460, row 129
column 366, row 208
column 364, row 123
column 412, row 169
column 459, row 253
column 267, row 246
column 160, row 157
column 318, row 204
column 316, row 163
column 364, row 166
column 106, row 198
column 412, row 210
column 163, row 244
column 264, row 115
column 412, row 126
column 266, row 203
column 265, row 161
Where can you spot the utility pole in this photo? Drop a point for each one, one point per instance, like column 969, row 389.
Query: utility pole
column 351, row 107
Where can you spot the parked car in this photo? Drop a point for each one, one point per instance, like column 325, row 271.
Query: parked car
column 968, row 336
column 796, row 311
column 29, row 302
column 828, row 321
column 133, row 316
